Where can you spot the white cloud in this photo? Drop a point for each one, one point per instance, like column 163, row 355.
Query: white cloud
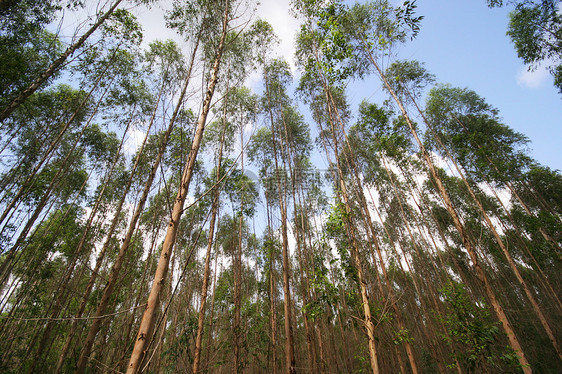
column 284, row 24
column 285, row 27
column 532, row 78
column 133, row 141
column 154, row 24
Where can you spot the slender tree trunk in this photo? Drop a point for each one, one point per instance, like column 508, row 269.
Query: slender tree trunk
column 237, row 269
column 210, row 337
column 210, row 241
column 367, row 216
column 147, row 321
column 289, row 339
column 343, row 195
column 272, row 293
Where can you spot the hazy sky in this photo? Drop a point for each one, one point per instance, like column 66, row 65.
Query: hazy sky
column 462, row 42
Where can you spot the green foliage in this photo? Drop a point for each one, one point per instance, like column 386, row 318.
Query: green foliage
column 21, row 61
column 262, row 37
column 237, row 186
column 123, row 24
column 536, row 32
column 336, row 230
column 408, row 78
column 535, row 28
column 471, row 130
column 402, row 336
column 26, row 48
column 376, row 133
column 165, row 62
column 194, row 18
column 333, row 45
column 121, row 87
column 405, row 14
column 326, row 293
column 471, row 331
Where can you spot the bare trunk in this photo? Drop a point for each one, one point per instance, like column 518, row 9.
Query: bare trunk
column 147, row 321
column 237, row 269
column 207, row 271
column 289, row 339
column 210, row 338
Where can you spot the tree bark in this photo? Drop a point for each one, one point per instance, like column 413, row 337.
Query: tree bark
column 147, row 321
column 207, row 271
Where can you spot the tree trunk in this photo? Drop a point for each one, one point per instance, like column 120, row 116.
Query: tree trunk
column 147, row 321
column 289, row 339
column 207, row 271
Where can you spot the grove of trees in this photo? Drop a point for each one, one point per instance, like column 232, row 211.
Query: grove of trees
column 414, row 234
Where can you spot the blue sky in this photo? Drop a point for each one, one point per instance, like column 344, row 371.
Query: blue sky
column 464, row 43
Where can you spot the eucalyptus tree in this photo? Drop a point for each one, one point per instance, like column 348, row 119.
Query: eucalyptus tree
column 384, row 146
column 135, row 94
column 472, row 131
column 111, row 14
column 469, row 146
column 95, row 69
column 331, row 140
column 219, row 31
column 117, row 60
column 275, row 103
column 101, row 149
column 27, row 148
column 220, row 138
column 46, row 253
column 76, row 126
column 243, row 113
column 110, row 166
column 374, row 46
column 239, row 112
column 51, row 178
column 26, row 47
column 512, row 156
column 234, row 240
column 327, row 55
